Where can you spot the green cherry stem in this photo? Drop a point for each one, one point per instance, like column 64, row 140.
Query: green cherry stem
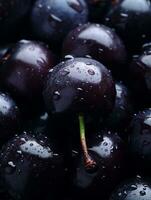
column 89, row 162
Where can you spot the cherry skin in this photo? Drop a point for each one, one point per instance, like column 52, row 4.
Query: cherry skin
column 23, row 72
column 131, row 19
column 139, row 141
column 79, row 85
column 139, row 79
column 9, row 117
column 133, row 189
column 52, row 20
column 120, row 118
column 30, row 167
column 108, row 151
column 100, row 43
column 12, row 13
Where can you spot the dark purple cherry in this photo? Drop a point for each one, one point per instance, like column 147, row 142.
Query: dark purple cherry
column 133, row 189
column 9, row 117
column 23, row 72
column 131, row 19
column 121, row 115
column 97, row 9
column 99, row 42
column 107, row 149
column 140, row 77
column 79, row 85
column 31, row 167
column 12, row 13
column 52, row 20
column 140, row 141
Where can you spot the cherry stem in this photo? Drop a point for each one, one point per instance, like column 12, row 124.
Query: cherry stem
column 89, row 162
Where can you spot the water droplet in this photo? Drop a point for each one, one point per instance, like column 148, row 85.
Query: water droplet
column 119, row 194
column 76, row 5
column 100, row 50
column 11, row 164
column 107, row 19
column 88, row 56
column 65, row 72
column 124, row 15
column 44, row 116
column 134, row 187
column 80, row 89
column 50, row 70
column 19, row 152
column 142, row 193
column 55, row 18
column 39, row 5
column 97, row 25
column 91, row 72
column 56, row 95
column 105, row 143
column 69, row 57
column 143, row 36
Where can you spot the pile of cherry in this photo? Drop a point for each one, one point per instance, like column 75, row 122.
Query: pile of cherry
column 75, row 99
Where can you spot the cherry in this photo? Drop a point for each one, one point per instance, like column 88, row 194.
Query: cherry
column 133, row 189
column 76, row 87
column 51, row 20
column 23, row 72
column 100, row 43
column 31, row 166
column 131, row 19
column 140, row 141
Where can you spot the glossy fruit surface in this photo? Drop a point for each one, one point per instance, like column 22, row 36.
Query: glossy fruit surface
column 140, row 141
column 51, row 20
column 23, row 71
column 30, row 166
column 99, row 42
column 108, row 151
column 140, row 77
column 131, row 19
column 9, row 117
column 79, row 85
column 121, row 115
column 134, row 189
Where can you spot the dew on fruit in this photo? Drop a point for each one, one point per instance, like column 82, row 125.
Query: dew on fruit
column 56, row 95
column 11, row 164
column 55, row 18
column 36, row 149
column 76, row 5
column 69, row 57
column 91, row 72
column 142, row 193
